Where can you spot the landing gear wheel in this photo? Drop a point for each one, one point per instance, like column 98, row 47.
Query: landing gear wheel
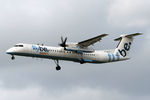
column 58, row 68
column 12, row 58
column 82, row 61
column 57, row 63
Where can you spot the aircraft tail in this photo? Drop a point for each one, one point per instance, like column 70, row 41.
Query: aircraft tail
column 124, row 45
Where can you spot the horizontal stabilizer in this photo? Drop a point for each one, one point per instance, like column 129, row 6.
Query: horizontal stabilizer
column 129, row 36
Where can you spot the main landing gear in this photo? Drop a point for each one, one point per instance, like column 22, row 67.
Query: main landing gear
column 57, row 63
column 12, row 57
column 82, row 61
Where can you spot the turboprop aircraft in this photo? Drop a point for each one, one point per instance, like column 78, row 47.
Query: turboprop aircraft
column 80, row 52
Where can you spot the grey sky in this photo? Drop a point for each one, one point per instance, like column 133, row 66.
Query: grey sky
column 45, row 21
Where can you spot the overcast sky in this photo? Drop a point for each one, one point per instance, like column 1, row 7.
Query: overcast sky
column 45, row 21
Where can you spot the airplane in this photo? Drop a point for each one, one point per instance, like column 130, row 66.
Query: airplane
column 80, row 52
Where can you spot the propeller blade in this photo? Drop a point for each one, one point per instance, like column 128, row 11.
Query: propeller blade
column 63, row 42
column 62, row 39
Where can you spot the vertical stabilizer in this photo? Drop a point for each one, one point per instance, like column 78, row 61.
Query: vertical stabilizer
column 124, row 45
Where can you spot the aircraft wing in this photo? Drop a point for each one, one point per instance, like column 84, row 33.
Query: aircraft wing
column 91, row 41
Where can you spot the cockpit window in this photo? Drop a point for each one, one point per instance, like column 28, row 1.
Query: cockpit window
column 18, row 46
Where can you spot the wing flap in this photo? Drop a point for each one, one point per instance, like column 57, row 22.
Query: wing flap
column 91, row 41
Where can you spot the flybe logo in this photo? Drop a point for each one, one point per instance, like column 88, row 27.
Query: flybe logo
column 39, row 48
column 126, row 48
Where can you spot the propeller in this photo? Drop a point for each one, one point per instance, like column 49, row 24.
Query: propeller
column 63, row 42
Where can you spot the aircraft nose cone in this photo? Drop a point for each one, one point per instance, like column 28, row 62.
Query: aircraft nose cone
column 9, row 51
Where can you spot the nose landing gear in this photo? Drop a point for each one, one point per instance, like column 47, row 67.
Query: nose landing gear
column 12, row 57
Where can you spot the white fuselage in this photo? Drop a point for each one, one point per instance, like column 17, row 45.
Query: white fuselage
column 58, row 53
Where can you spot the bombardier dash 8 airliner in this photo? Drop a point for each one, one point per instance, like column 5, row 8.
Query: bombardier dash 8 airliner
column 80, row 52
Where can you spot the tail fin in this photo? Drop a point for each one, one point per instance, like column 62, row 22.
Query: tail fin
column 124, row 45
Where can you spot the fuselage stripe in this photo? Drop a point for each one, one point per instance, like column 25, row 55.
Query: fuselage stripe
column 118, row 57
column 113, row 57
column 109, row 56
